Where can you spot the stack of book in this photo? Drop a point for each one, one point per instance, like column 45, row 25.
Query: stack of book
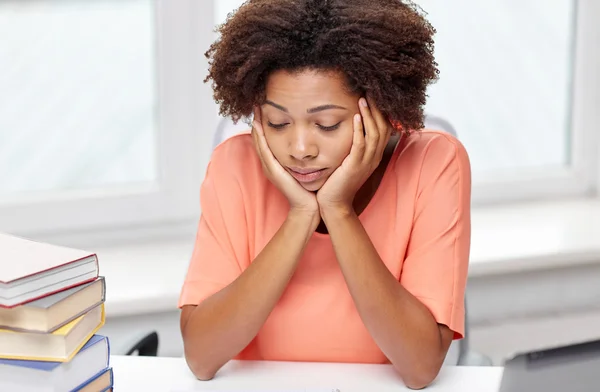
column 51, row 308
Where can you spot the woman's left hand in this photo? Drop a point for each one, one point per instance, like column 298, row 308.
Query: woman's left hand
column 365, row 155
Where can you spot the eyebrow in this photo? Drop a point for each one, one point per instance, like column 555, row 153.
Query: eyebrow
column 310, row 111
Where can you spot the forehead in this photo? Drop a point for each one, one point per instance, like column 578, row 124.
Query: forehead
column 307, row 85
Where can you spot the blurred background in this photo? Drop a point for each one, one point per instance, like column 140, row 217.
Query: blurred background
column 106, row 128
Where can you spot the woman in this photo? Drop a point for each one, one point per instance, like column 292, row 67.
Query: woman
column 327, row 233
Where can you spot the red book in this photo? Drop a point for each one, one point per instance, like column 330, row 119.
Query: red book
column 30, row 270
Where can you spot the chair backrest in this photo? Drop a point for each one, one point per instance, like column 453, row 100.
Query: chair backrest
column 439, row 123
column 226, row 128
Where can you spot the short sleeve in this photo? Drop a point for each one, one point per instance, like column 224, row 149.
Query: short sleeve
column 436, row 264
column 221, row 239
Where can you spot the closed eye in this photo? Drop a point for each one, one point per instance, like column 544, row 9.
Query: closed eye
column 322, row 127
column 331, row 128
column 276, row 126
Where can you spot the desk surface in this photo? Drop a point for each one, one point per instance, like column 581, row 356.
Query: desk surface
column 173, row 375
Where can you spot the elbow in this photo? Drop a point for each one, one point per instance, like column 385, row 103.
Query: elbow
column 420, row 379
column 202, row 368
column 417, row 384
column 203, row 372
column 200, row 365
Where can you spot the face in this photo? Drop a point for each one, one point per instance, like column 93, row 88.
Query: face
column 307, row 119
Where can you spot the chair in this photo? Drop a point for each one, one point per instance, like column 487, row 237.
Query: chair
column 460, row 352
column 142, row 343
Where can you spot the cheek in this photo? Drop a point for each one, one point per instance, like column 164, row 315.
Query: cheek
column 341, row 148
column 275, row 145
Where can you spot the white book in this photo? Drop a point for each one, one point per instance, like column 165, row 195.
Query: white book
column 30, row 270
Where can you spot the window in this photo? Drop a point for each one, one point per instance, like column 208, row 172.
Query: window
column 104, row 119
column 516, row 82
column 79, row 99
column 507, row 88
column 106, row 124
column 513, row 81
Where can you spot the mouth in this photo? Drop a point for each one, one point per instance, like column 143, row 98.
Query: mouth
column 305, row 175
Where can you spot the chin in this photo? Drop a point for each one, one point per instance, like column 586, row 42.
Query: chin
column 313, row 186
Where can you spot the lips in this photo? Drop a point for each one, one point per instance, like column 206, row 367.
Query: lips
column 306, row 174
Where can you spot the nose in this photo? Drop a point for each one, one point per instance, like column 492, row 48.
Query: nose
column 302, row 144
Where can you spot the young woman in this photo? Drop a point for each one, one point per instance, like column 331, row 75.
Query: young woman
column 337, row 229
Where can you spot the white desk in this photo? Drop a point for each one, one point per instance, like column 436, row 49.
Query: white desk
column 173, row 375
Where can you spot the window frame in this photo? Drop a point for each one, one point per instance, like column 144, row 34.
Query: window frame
column 183, row 136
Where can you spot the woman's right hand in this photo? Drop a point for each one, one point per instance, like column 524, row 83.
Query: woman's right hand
column 301, row 200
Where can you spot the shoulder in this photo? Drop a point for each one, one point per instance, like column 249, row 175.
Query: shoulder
column 234, row 158
column 235, row 167
column 235, row 150
column 434, row 144
column 429, row 152
column 431, row 162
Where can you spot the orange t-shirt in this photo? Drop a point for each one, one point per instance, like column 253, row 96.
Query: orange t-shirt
column 418, row 220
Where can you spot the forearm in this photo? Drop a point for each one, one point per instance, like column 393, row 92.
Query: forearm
column 225, row 323
column 400, row 324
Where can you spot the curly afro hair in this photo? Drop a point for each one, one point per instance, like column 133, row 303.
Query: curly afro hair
column 383, row 47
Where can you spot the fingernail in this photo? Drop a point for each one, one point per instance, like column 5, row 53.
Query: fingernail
column 363, row 102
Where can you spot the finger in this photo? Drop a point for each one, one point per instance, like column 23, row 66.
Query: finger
column 372, row 133
column 255, row 122
column 383, row 126
column 254, row 137
column 357, row 151
column 380, row 120
column 266, row 153
column 257, row 114
column 257, row 145
column 257, row 126
column 262, row 148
